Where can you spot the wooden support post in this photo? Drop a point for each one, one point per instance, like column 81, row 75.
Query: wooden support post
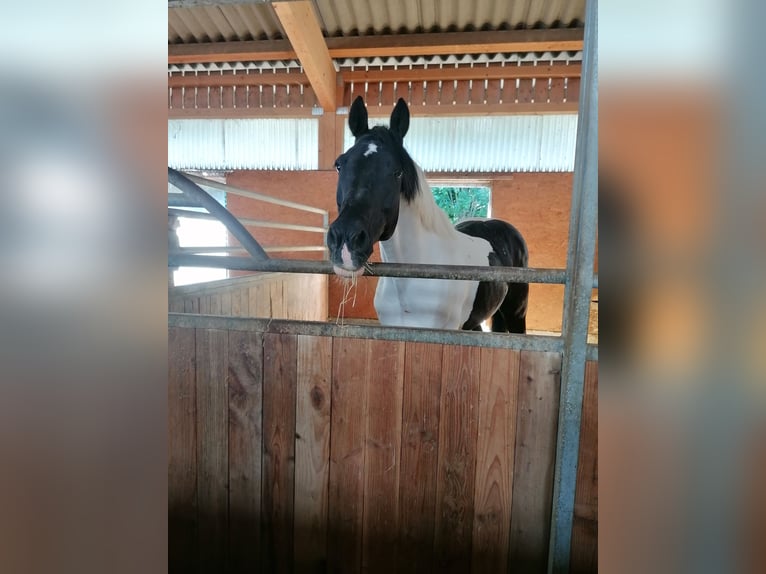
column 302, row 28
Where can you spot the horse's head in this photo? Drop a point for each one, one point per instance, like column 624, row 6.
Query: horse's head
column 372, row 176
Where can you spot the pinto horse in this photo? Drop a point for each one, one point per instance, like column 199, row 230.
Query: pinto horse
column 383, row 196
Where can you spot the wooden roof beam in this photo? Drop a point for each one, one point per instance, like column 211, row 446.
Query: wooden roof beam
column 431, row 44
column 300, row 23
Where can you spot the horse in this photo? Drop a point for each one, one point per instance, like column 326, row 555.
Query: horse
column 383, row 196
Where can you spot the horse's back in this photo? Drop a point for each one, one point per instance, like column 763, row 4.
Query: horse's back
column 510, row 250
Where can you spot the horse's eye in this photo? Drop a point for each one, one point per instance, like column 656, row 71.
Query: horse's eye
column 398, row 174
column 337, row 167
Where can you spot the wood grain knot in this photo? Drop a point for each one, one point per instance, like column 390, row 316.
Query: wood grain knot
column 317, row 397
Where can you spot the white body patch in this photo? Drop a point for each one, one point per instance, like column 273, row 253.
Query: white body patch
column 371, row 149
column 424, row 234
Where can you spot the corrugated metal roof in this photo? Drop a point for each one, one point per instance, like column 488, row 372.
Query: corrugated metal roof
column 234, row 22
column 490, row 144
column 364, row 17
column 223, row 144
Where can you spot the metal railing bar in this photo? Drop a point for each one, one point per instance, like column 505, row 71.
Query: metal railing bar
column 192, row 190
column 232, row 249
column 253, row 195
column 447, row 337
column 179, row 200
column 249, row 222
column 457, row 272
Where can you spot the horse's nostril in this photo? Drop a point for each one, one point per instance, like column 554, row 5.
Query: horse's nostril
column 332, row 238
column 359, row 240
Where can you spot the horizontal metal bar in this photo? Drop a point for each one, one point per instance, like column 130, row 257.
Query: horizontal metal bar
column 541, row 343
column 458, row 272
column 179, row 200
column 253, row 195
column 232, row 249
column 249, row 222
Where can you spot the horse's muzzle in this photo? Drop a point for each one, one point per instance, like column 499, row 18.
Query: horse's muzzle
column 348, row 251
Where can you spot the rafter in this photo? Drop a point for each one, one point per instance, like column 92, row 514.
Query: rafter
column 431, row 44
column 302, row 28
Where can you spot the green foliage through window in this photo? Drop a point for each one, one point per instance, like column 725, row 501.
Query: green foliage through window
column 462, row 202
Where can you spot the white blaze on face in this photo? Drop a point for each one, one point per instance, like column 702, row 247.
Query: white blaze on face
column 371, row 149
column 345, row 256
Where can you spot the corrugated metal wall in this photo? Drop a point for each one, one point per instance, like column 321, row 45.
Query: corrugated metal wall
column 490, row 144
column 289, row 144
column 520, row 143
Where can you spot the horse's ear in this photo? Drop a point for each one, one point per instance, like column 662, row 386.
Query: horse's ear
column 400, row 119
column 357, row 118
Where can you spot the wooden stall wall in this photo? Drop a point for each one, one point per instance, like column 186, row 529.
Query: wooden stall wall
column 319, row 454
column 537, row 203
column 302, row 297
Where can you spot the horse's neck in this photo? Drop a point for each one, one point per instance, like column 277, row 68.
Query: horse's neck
column 422, row 228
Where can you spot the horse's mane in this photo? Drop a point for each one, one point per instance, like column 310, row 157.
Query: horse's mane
column 432, row 216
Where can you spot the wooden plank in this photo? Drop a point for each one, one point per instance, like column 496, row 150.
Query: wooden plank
column 175, row 304
column 382, row 452
column 525, row 91
column 176, row 98
column 419, row 459
column 584, row 554
column 387, row 93
column 230, row 51
column 540, row 91
column 556, row 92
column 312, row 452
column 242, row 80
column 447, row 95
column 278, row 486
column 403, row 90
column 462, row 92
column 236, row 304
column 346, row 493
column 281, row 98
column 504, row 41
column 463, row 73
column 479, row 42
column 182, row 450
column 492, row 92
column 214, row 98
column 245, row 383
column 276, row 294
column 507, row 107
column 372, row 99
column 494, row 463
column 300, row 23
column 227, row 97
column 215, row 304
column 536, row 421
column 573, row 90
column 212, row 448
column 457, row 458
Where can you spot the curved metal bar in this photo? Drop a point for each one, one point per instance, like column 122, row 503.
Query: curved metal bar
column 195, row 192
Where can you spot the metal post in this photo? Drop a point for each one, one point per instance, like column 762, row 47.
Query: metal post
column 580, row 256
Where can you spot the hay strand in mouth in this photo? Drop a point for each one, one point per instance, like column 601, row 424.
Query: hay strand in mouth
column 349, row 285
